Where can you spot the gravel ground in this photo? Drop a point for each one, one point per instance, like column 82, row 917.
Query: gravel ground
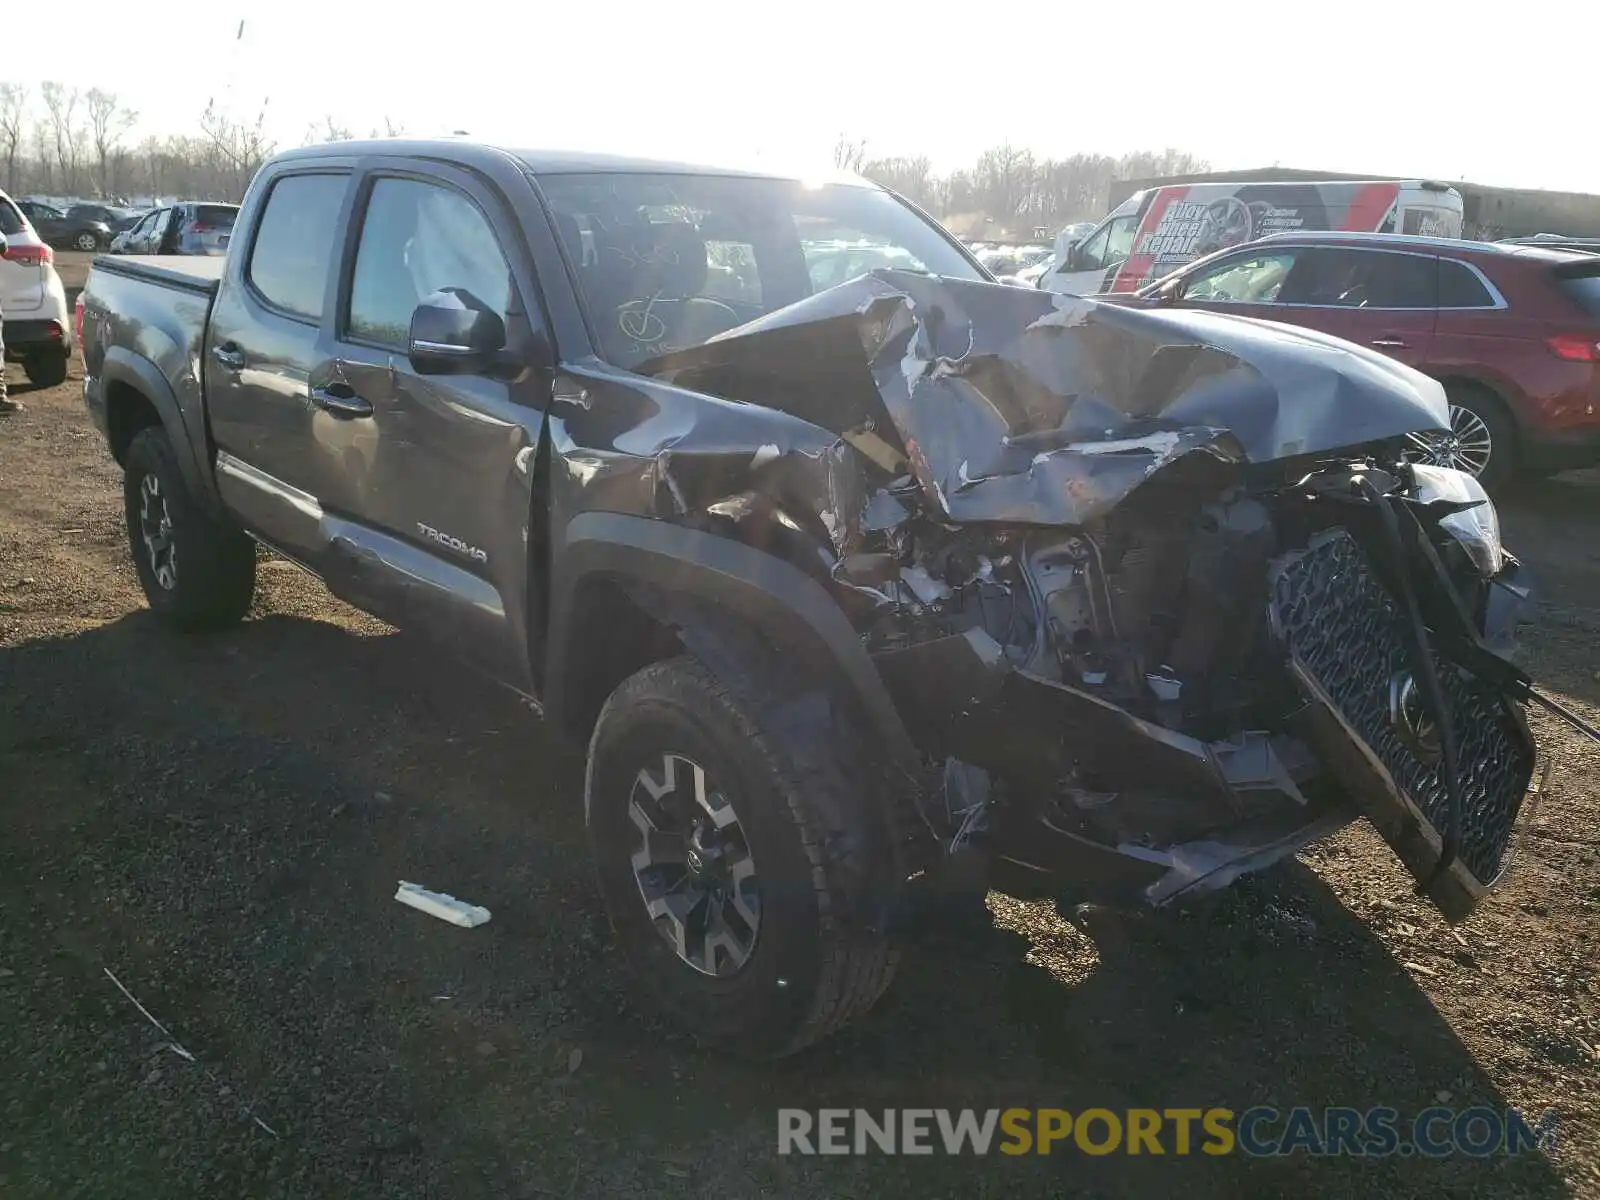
column 220, row 822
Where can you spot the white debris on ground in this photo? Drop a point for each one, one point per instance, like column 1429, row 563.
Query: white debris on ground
column 437, row 904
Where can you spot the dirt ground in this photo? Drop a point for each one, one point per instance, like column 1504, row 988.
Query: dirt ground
column 220, row 822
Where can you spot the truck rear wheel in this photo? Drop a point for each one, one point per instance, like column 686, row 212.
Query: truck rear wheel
column 197, row 573
column 725, row 877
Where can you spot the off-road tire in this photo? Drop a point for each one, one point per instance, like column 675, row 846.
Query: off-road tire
column 215, row 574
column 46, row 370
column 815, row 963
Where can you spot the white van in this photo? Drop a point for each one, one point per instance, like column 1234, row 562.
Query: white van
column 1154, row 232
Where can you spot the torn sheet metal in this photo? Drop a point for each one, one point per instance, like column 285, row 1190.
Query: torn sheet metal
column 1024, row 406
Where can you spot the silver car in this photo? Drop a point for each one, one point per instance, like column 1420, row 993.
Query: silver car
column 186, row 228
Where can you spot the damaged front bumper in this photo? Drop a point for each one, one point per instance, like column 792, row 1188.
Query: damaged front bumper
column 1161, row 581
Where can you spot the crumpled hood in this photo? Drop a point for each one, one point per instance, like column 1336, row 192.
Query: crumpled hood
column 1024, row 406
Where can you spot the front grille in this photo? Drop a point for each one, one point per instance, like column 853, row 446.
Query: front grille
column 1348, row 634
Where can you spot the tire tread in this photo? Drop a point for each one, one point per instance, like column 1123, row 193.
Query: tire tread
column 857, row 964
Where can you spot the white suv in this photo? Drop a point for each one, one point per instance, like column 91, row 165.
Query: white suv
column 38, row 331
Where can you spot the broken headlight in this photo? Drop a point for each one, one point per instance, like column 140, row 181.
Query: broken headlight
column 1476, row 528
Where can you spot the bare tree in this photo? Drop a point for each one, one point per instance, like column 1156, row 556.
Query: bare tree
column 1004, row 180
column 41, row 154
column 66, row 130
column 109, row 122
column 913, row 178
column 329, row 131
column 242, row 147
column 849, row 155
column 13, row 118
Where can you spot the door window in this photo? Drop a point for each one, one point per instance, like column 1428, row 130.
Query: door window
column 416, row 239
column 1111, row 245
column 1351, row 278
column 1460, row 287
column 1251, row 278
column 293, row 249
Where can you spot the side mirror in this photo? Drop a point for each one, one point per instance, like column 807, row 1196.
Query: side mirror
column 454, row 333
column 2, row 243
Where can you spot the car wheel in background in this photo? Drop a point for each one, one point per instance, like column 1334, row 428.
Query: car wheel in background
column 1481, row 441
column 87, row 240
column 197, row 573
column 46, row 370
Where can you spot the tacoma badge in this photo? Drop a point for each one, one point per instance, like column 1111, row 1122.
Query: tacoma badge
column 452, row 542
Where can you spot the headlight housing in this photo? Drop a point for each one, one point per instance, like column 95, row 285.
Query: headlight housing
column 1478, row 528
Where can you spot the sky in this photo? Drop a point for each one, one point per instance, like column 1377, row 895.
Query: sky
column 1407, row 87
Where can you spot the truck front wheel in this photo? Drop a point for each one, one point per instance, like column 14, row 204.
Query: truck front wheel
column 197, row 573
column 724, row 867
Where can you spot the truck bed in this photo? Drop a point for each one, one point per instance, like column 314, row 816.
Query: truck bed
column 144, row 326
column 190, row 272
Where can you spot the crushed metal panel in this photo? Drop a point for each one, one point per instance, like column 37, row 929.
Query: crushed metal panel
column 1018, row 405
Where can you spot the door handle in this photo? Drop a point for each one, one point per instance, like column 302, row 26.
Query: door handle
column 341, row 400
column 229, row 355
column 1389, row 343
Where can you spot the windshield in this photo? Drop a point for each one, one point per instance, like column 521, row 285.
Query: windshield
column 665, row 262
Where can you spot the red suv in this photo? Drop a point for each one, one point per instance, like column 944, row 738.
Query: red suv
column 1512, row 331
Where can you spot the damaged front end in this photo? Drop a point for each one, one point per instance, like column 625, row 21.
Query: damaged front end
column 1156, row 593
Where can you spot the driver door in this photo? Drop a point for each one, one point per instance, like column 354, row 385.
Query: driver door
column 426, row 478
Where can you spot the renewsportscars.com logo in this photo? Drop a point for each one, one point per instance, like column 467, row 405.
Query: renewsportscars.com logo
column 1479, row 1132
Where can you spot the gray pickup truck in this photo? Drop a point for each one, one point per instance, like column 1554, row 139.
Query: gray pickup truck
column 861, row 596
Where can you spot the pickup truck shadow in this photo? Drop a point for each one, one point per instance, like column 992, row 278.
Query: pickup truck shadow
column 237, row 809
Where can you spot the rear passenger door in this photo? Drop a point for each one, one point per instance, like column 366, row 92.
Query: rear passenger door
column 264, row 339
column 425, row 475
column 1387, row 300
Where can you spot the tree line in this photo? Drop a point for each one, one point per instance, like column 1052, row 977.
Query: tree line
column 65, row 141
column 1012, row 186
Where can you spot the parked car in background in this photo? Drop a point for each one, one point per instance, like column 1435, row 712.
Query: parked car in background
column 187, row 228
column 114, row 217
column 1512, row 331
column 1159, row 230
column 37, row 331
column 63, row 229
column 1001, row 261
column 832, row 262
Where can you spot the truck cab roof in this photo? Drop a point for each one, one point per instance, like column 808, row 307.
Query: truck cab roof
column 560, row 162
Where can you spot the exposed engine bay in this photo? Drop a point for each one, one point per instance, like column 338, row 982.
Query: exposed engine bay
column 1157, row 593
column 1152, row 658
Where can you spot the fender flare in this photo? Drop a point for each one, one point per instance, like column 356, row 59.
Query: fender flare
column 765, row 593
column 123, row 366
